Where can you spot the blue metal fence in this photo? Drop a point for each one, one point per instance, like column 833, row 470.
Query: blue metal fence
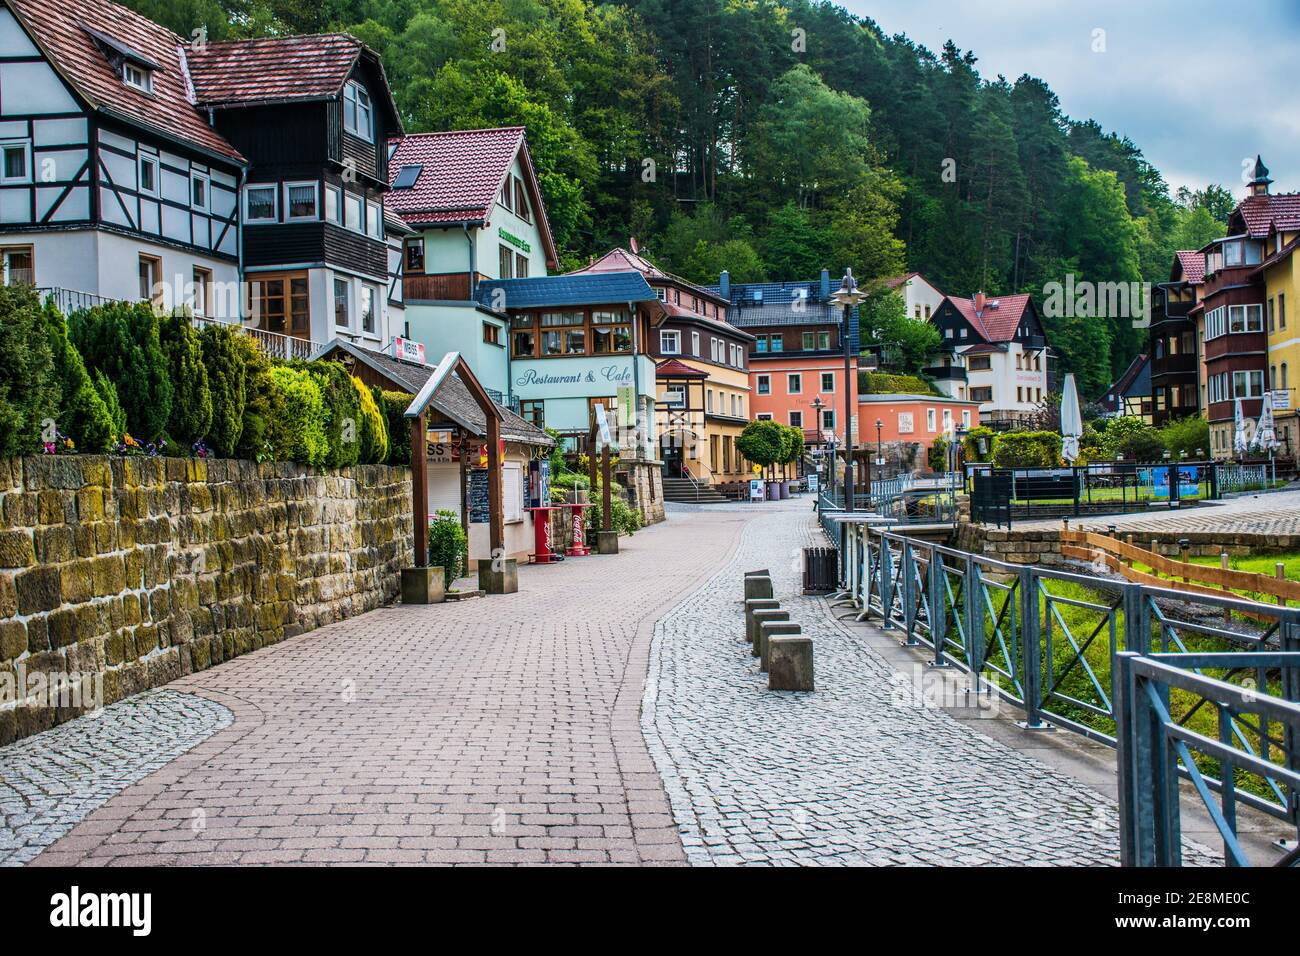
column 1054, row 644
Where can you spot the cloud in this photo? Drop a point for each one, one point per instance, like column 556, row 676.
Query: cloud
column 1195, row 86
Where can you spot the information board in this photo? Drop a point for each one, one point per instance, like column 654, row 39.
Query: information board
column 479, row 510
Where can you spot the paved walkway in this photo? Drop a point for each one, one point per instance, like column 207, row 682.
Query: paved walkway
column 607, row 713
column 1275, row 513
column 496, row 730
column 863, row 770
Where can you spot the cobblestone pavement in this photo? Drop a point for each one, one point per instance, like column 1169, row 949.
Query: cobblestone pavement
column 1276, row 513
column 494, row 730
column 51, row 781
column 857, row 772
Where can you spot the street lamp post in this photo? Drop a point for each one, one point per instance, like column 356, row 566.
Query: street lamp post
column 817, row 413
column 880, row 447
column 848, row 297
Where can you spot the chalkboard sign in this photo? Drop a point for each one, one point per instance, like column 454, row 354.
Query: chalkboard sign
column 479, row 512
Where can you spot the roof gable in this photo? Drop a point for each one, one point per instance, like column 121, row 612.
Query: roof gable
column 1256, row 215
column 82, row 43
column 1189, row 267
column 1000, row 318
column 461, row 175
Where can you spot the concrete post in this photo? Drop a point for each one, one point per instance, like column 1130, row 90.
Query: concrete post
column 761, row 617
column 752, row 605
column 758, row 587
column 768, row 630
column 790, row 663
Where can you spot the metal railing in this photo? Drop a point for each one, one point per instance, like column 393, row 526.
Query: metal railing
column 1051, row 643
column 1243, row 477
column 68, row 301
column 275, row 344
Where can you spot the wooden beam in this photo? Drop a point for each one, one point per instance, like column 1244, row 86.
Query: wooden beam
column 420, row 490
column 606, row 513
column 496, row 516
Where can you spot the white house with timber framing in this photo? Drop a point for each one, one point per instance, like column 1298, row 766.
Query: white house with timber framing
column 114, row 185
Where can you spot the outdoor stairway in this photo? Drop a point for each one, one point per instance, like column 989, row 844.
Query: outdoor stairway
column 689, row 491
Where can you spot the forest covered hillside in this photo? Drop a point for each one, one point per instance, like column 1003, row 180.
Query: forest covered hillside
column 774, row 140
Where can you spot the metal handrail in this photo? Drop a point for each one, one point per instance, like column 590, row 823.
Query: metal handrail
column 1054, row 651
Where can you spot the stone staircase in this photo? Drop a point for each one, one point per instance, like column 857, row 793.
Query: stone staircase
column 690, row 491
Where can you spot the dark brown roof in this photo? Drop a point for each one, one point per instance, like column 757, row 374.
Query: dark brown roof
column 1256, row 215
column 74, row 38
column 453, row 399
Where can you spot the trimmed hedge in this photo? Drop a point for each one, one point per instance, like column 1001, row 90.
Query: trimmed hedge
column 191, row 413
column 228, row 386
column 1027, row 450
column 393, row 406
column 296, row 427
column 883, row 383
column 342, row 413
column 122, row 341
column 374, row 430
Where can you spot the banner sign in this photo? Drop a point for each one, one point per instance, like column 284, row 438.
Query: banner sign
column 602, row 424
column 625, row 416
column 756, row 492
column 408, row 350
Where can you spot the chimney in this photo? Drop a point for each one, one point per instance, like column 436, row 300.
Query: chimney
column 632, row 244
column 826, row 284
column 979, row 303
column 724, row 285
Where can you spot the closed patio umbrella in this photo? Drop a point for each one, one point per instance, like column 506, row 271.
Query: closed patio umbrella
column 1071, row 421
column 1240, row 441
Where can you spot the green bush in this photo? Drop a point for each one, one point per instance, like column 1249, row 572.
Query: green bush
column 883, row 383
column 1027, row 450
column 259, row 400
column 374, row 430
column 448, row 546
column 121, row 340
column 393, row 406
column 296, row 423
column 342, row 413
column 191, row 412
column 112, row 405
column 937, row 456
column 1190, row 435
column 29, row 393
column 624, row 518
column 227, row 384
column 970, row 445
column 762, row 442
column 83, row 416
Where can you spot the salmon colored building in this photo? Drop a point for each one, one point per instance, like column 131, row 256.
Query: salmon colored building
column 912, row 418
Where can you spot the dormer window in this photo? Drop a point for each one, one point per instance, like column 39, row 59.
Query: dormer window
column 137, row 76
column 358, row 113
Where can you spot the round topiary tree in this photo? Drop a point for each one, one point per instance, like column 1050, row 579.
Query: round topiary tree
column 762, row 442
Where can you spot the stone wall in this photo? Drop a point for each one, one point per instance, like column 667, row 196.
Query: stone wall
column 131, row 572
column 643, row 478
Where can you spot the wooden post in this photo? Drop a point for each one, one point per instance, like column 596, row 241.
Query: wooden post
column 420, row 490
column 1279, row 572
column 1223, row 566
column 496, row 518
column 593, row 438
column 605, row 477
column 1185, row 555
column 1128, row 539
column 464, row 484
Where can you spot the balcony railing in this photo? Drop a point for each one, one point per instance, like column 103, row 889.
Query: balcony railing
column 454, row 286
column 946, row 373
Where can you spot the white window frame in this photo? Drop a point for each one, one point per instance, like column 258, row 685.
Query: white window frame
column 374, row 220
column 695, row 342
column 763, row 385
column 204, row 178
column 275, row 203
column 670, row 335
column 790, row 417
column 824, row 377
column 360, row 225
column 333, row 204
column 368, row 289
column 347, row 302
column 150, row 159
column 26, row 146
column 352, row 96
column 288, row 213
column 791, row 380
column 675, row 396
column 932, row 419
column 137, row 77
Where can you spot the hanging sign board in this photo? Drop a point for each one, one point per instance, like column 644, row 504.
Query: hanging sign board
column 602, row 424
column 625, row 416
column 408, row 350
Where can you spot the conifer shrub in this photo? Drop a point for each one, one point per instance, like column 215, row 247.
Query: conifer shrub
column 121, row 340
column 297, row 417
column 342, row 412
column 29, row 392
column 112, row 405
column 259, row 400
column 448, row 546
column 393, row 406
column 83, row 415
column 191, row 411
column 227, row 385
column 374, row 429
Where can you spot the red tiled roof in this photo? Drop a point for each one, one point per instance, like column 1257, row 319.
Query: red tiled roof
column 59, row 31
column 1255, row 215
column 671, row 368
column 273, row 69
column 462, row 173
column 1192, row 265
column 994, row 324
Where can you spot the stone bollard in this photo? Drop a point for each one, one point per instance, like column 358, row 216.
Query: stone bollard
column 423, row 586
column 752, row 605
column 759, row 618
column 758, row 586
column 768, row 630
column 790, row 663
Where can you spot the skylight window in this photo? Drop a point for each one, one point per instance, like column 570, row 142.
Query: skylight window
column 407, row 176
column 138, row 77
